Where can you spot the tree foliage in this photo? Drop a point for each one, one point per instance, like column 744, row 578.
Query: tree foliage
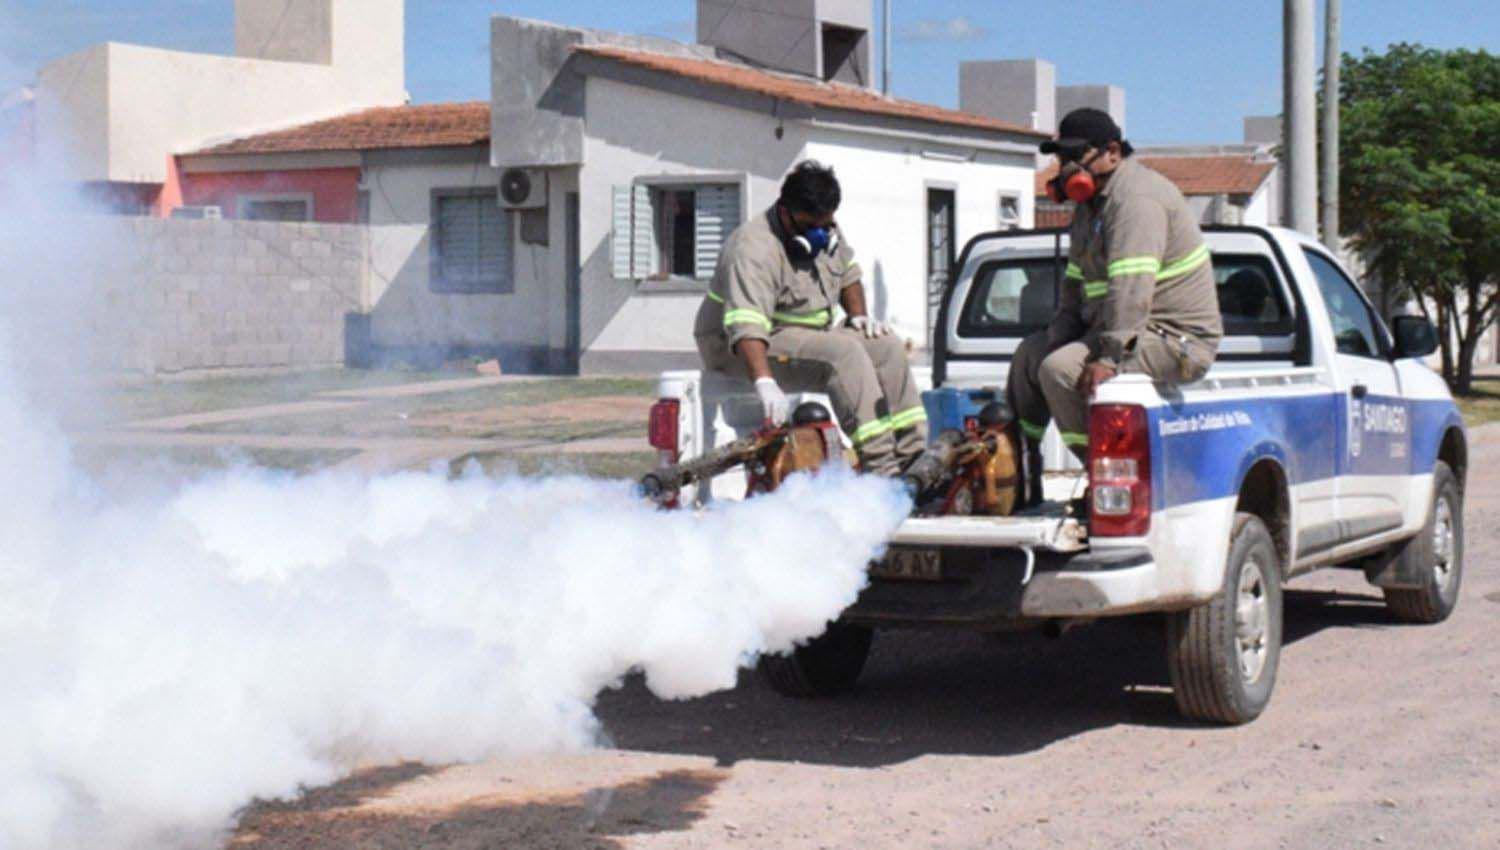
column 1420, row 185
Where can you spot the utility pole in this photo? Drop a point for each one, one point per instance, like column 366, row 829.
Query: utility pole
column 885, row 51
column 1300, row 147
column 1329, row 188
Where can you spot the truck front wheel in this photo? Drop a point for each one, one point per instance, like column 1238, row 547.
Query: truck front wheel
column 1436, row 555
column 827, row 665
column 1223, row 655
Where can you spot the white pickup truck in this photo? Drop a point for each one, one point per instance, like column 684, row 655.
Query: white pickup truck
column 1318, row 439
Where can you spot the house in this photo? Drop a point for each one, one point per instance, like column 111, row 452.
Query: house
column 442, row 252
column 650, row 152
column 111, row 117
column 1225, row 184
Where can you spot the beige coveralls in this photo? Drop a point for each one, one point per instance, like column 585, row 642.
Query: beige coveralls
column 1139, row 295
column 760, row 292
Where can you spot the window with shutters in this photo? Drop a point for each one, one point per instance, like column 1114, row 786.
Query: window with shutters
column 470, row 243
column 672, row 231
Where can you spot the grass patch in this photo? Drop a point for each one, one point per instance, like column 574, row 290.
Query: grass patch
column 1483, row 404
column 157, row 399
column 186, row 461
column 391, row 417
column 627, row 465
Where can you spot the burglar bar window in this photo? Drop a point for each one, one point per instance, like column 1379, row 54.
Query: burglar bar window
column 672, row 232
column 471, row 243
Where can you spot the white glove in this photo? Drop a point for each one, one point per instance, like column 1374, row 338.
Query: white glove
column 871, row 328
column 772, row 399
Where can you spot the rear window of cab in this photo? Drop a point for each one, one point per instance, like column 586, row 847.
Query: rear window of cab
column 1017, row 297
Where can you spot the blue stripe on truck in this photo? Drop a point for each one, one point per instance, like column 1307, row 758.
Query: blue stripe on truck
column 1204, row 450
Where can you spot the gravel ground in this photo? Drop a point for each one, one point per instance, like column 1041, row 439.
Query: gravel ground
column 1380, row 735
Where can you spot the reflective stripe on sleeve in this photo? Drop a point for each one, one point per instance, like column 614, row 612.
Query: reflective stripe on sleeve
column 1074, row 272
column 819, row 319
column 1134, row 265
column 1177, row 268
column 745, row 316
column 1096, row 289
column 714, row 296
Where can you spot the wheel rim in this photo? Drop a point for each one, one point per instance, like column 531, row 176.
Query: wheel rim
column 1252, row 622
column 1443, row 544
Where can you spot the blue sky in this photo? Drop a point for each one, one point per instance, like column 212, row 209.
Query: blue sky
column 1191, row 70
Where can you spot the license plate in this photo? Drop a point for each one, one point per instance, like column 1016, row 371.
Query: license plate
column 909, row 565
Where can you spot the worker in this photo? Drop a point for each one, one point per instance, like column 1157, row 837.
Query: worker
column 769, row 315
column 1138, row 294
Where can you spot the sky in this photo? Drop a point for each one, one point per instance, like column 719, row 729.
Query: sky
column 1191, row 70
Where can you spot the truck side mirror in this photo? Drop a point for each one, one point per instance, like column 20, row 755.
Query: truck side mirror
column 1415, row 337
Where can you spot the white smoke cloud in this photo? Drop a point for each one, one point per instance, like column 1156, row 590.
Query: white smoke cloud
column 960, row 28
column 168, row 653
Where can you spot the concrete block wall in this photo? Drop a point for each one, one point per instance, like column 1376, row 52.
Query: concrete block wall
column 179, row 295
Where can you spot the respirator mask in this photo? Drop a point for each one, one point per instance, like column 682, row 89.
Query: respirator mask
column 1074, row 182
column 814, row 241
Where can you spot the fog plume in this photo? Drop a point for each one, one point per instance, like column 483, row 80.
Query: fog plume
column 170, row 652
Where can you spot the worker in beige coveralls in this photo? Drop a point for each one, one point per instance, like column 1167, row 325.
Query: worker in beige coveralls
column 1139, row 292
column 769, row 314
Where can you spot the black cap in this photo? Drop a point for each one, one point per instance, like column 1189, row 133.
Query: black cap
column 1083, row 128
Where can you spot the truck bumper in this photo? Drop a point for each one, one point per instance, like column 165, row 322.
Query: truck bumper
column 988, row 589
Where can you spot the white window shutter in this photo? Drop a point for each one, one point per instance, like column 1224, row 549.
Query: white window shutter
column 717, row 215
column 644, row 252
column 622, row 239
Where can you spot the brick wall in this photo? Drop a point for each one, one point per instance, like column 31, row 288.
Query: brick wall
column 178, row 295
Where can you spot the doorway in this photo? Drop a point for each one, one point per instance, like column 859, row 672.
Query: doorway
column 941, row 227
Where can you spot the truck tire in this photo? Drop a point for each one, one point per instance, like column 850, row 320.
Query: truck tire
column 1438, row 554
column 1223, row 655
column 827, row 665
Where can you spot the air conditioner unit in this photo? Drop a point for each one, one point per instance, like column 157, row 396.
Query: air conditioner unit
column 209, row 212
column 523, row 188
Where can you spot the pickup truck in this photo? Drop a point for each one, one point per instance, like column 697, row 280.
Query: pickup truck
column 1319, row 438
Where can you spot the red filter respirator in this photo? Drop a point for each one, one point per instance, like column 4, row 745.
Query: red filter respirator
column 1077, row 185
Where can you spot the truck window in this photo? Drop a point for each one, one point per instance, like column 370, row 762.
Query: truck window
column 1354, row 328
column 1016, row 297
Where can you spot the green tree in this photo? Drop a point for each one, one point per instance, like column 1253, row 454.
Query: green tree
column 1420, row 185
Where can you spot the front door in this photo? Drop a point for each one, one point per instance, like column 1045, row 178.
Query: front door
column 1372, row 462
column 940, row 252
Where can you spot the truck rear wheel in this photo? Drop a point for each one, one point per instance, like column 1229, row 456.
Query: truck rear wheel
column 1223, row 655
column 1439, row 556
column 828, row 665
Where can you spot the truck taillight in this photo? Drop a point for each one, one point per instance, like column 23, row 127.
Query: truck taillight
column 663, row 432
column 1119, row 471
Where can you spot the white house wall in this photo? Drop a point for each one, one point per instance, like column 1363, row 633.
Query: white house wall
column 884, row 214
column 153, row 102
column 525, row 326
column 1258, row 211
column 637, row 132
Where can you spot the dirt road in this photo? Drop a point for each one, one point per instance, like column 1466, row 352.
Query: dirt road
column 1379, row 735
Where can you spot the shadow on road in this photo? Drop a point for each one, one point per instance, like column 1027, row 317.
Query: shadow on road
column 952, row 693
column 330, row 818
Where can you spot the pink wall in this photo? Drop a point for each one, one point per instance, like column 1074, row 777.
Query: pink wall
column 335, row 191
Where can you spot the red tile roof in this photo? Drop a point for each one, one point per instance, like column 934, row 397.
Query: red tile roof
column 425, row 126
column 1219, row 174
column 799, row 90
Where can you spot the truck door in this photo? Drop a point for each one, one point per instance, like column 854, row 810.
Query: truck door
column 1374, row 438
